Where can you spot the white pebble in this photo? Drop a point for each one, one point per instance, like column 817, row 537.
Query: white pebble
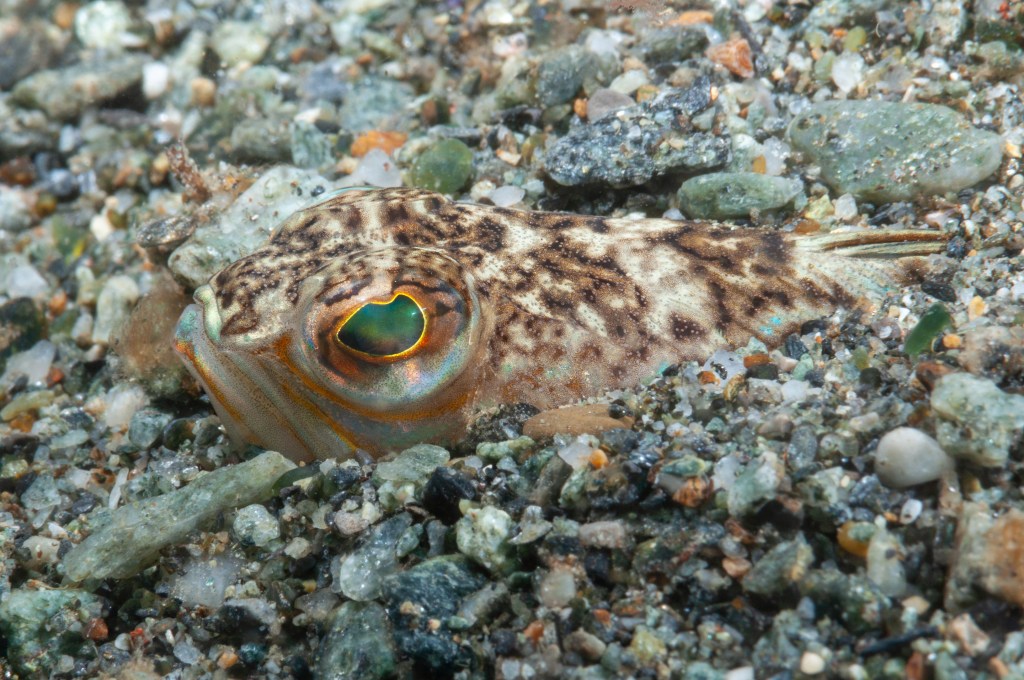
column 378, row 170
column 506, row 196
column 604, row 42
column 811, row 663
column 606, row 534
column 908, row 457
column 795, row 390
column 33, row 363
column 557, row 588
column 156, row 76
column 629, row 82
column 101, row 24
column 847, row 71
column 577, row 453
column 121, row 404
column 741, row 673
column 25, row 281
column 910, row 511
column 845, row 208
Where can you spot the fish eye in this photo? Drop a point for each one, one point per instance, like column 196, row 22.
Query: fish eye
column 384, row 329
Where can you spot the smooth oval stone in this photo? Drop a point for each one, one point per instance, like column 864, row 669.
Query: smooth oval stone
column 735, row 194
column 885, row 151
column 908, row 457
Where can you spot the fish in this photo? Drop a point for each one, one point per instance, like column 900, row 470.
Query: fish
column 381, row 318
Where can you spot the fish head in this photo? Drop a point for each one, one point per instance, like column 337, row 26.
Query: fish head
column 375, row 349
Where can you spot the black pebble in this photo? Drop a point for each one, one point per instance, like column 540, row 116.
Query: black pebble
column 445, row 488
column 794, row 347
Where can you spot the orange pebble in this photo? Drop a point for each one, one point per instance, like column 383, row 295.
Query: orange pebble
column 734, row 55
column 534, row 631
column 759, row 359
column 95, row 630
column 603, row 616
column 579, row 107
column 708, row 378
column 851, row 544
column 386, row 141
column 598, row 459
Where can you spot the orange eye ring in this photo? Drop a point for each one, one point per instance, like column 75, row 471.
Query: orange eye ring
column 369, row 330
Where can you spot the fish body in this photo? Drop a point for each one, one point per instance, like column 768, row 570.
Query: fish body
column 381, row 318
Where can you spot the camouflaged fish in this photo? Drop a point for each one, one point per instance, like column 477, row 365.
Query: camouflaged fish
column 381, row 318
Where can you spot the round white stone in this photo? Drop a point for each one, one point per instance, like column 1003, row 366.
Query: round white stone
column 908, row 457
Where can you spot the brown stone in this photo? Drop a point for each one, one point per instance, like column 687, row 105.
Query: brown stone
column 573, row 420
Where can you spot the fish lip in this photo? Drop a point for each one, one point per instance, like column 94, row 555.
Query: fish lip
column 212, row 321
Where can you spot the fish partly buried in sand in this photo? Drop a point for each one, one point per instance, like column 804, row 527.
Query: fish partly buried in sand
column 381, row 318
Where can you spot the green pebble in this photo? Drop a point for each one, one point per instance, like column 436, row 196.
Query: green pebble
column 444, row 167
column 927, row 329
column 855, row 39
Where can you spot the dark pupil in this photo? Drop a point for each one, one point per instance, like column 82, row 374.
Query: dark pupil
column 384, row 328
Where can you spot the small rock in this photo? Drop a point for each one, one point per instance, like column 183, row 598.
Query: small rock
column 884, row 563
column 377, row 169
column 609, row 534
column 574, row 421
column 375, row 103
column 445, row 167
column 908, row 457
column 445, row 489
column 34, row 364
column 65, row 93
column 726, row 195
column 980, row 422
column 483, row 534
column 113, row 307
column 135, row 533
column 101, row 24
column 640, row 143
column 759, row 481
column 40, row 623
column 254, row 525
column 26, row 281
column 15, row 211
column 421, row 603
column 590, row 647
column 781, row 567
column 26, row 47
column 361, row 572
column 557, row 588
column 989, row 553
column 885, row 151
column 358, row 644
column 606, row 101
column 993, row 351
column 239, row 42
column 847, row 71
column 629, row 82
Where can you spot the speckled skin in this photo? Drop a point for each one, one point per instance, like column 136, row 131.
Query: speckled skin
column 534, row 307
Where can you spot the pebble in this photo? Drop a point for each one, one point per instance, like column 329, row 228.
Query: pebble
column 445, row 166
column 610, row 534
column 726, row 195
column 980, row 422
column 15, row 212
column 113, row 305
column 101, row 24
column 254, row 525
column 848, row 71
column 629, row 82
column 574, row 421
column 239, row 42
column 640, row 143
column 780, row 568
column 135, row 533
column 507, row 196
column 422, row 602
column 33, row 363
column 355, row 628
column 377, row 169
column 885, row 151
column 203, row 582
column 605, row 101
column 40, row 623
column 65, row 93
column 360, row 573
column 483, row 534
column 812, row 663
column 908, row 457
column 377, row 103
column 26, row 47
column 557, row 588
column 26, row 281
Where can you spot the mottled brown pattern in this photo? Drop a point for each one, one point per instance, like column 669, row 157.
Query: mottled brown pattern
column 573, row 304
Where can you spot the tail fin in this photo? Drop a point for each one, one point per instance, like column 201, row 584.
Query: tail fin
column 870, row 263
column 879, row 244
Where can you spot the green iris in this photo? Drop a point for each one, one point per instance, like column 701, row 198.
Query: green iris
column 384, row 329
